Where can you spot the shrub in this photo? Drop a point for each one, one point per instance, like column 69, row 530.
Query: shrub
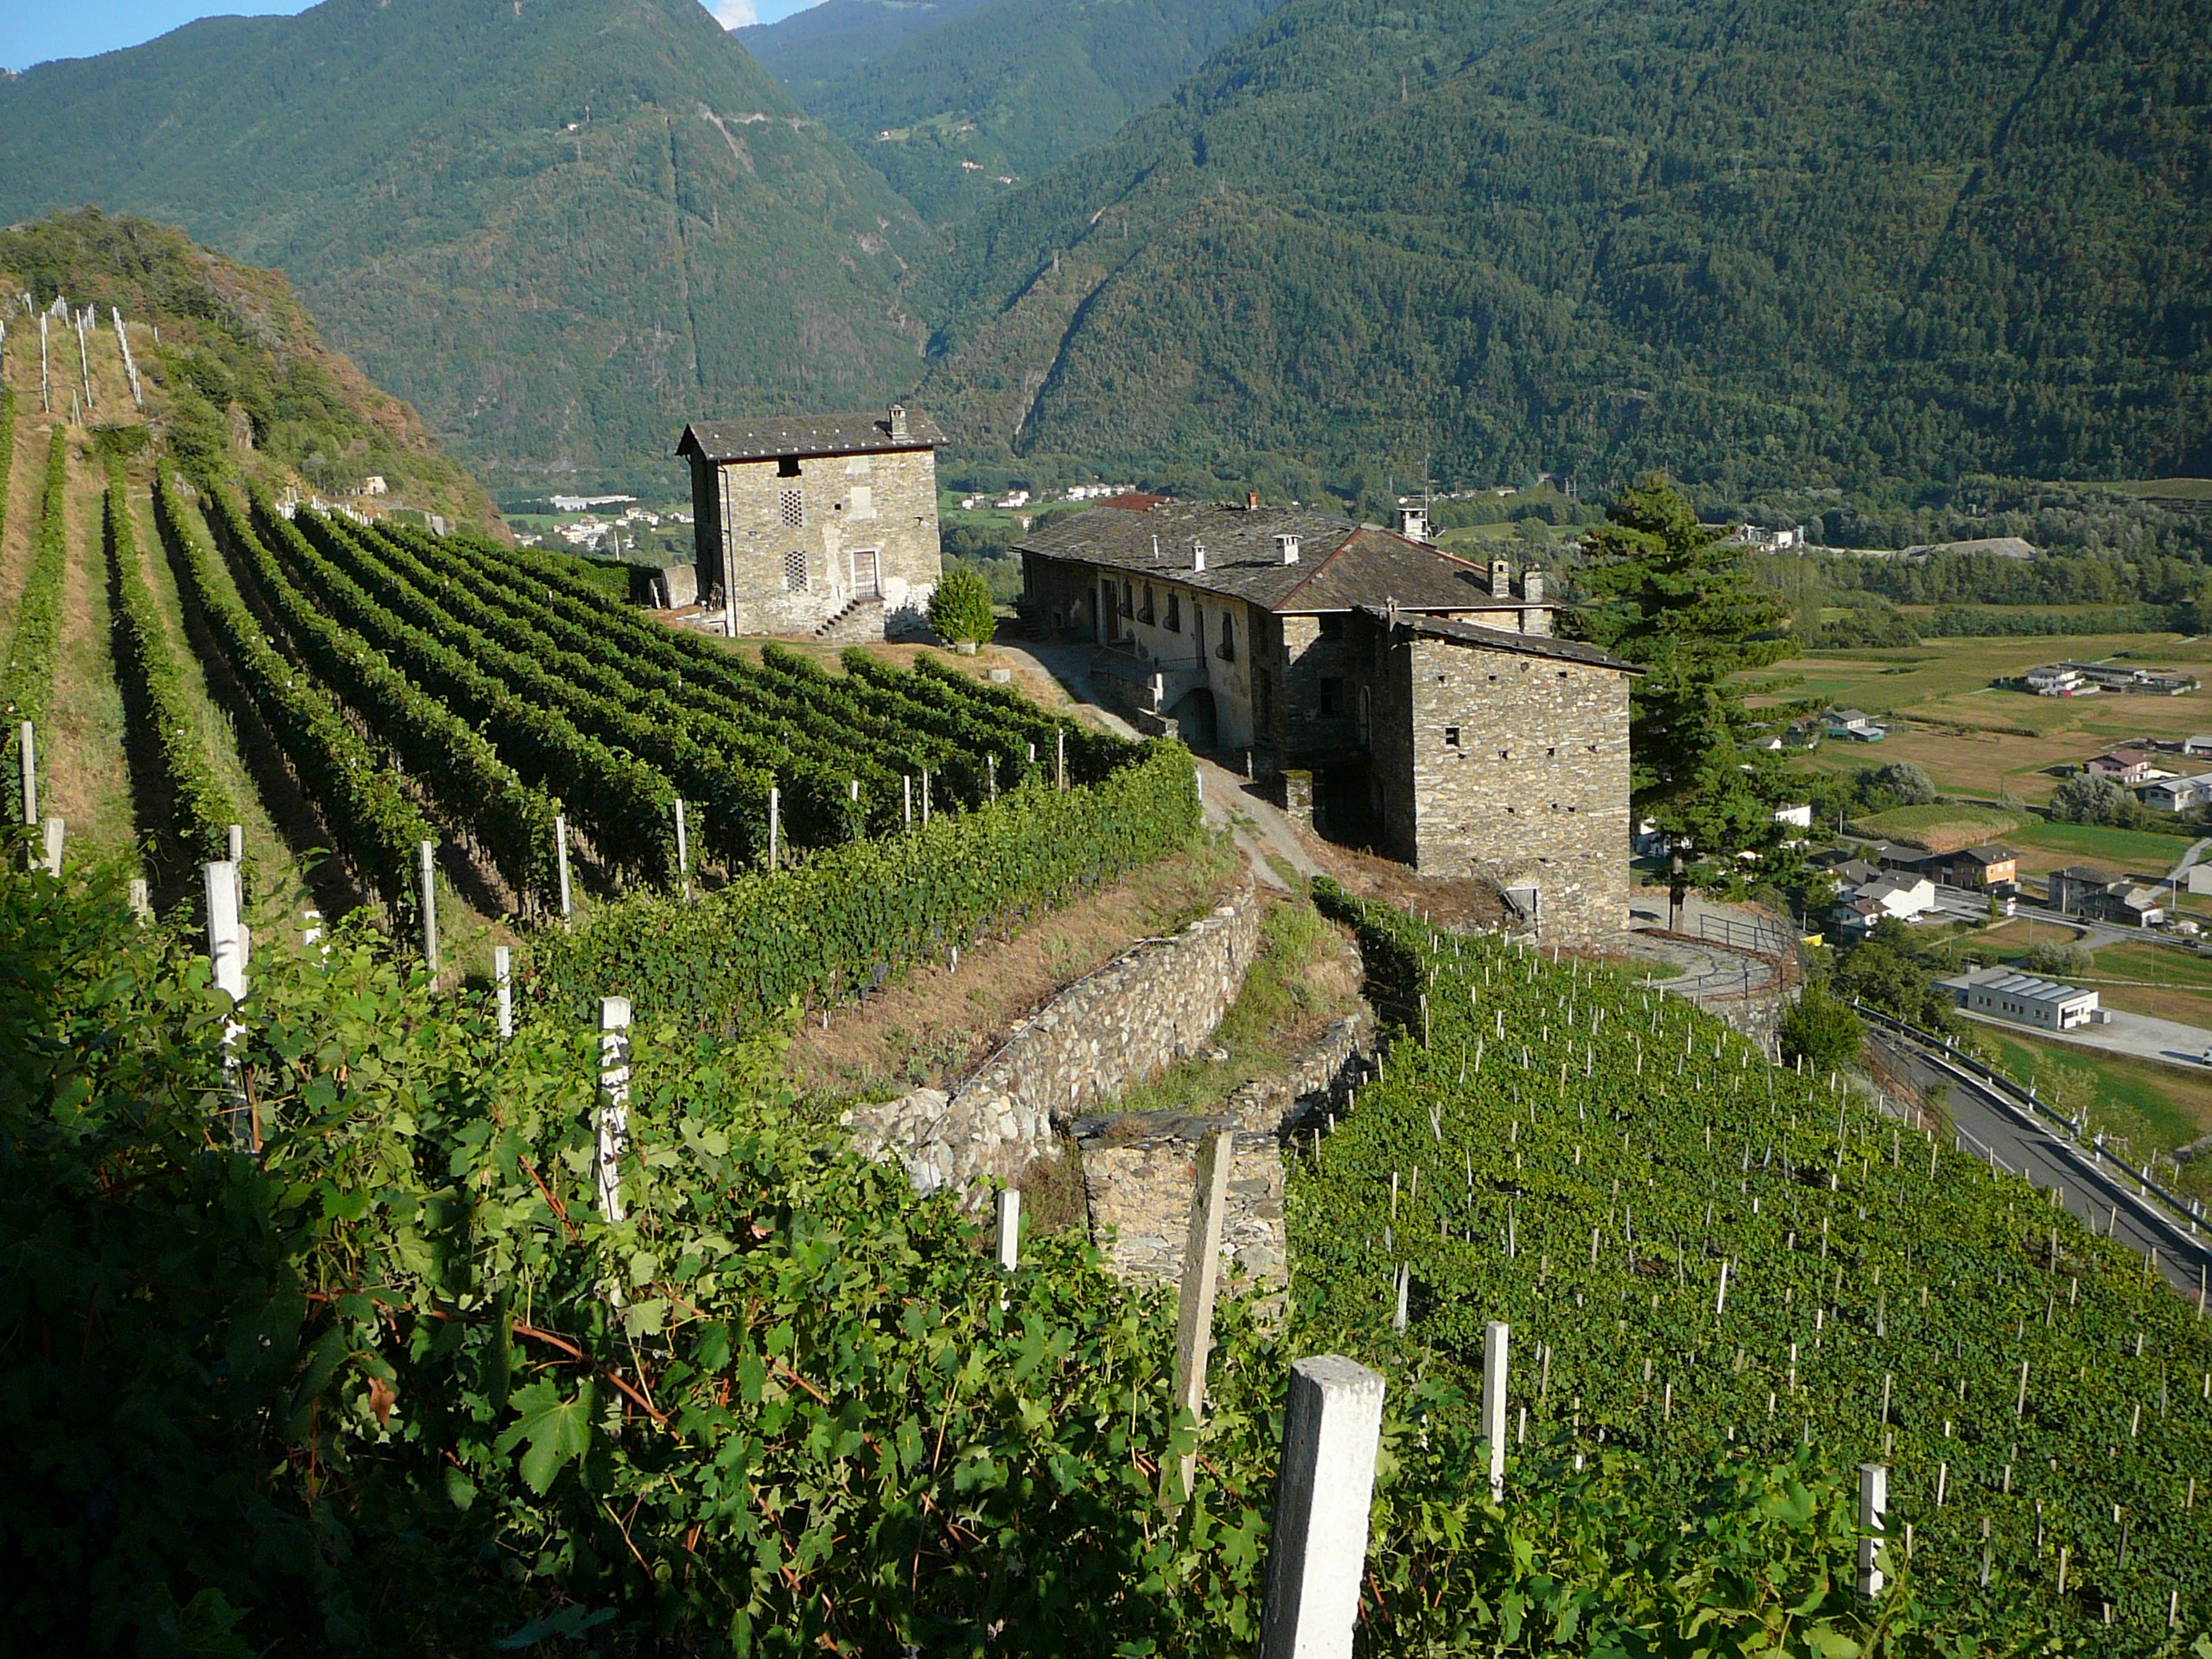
column 1825, row 1032
column 2084, row 799
column 960, row 609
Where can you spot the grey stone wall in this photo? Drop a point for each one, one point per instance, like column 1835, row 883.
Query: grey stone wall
column 1140, row 1169
column 848, row 506
column 1150, row 1006
column 1511, row 768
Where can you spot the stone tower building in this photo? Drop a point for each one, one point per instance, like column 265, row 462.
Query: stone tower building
column 820, row 524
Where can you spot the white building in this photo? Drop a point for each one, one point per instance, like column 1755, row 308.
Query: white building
column 2024, row 1000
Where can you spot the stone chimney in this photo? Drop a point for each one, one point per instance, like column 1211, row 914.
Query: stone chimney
column 1251, row 500
column 1501, row 578
column 898, row 423
column 1412, row 524
column 1532, row 585
column 1288, row 547
column 1198, row 556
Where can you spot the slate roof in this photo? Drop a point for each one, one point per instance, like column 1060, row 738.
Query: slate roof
column 805, row 435
column 1990, row 852
column 1342, row 565
column 1527, row 645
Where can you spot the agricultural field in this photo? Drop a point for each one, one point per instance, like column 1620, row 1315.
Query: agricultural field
column 1557, row 1153
column 2044, row 845
column 1977, row 738
column 1942, row 828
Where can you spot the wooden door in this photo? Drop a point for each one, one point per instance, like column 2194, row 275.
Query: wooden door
column 866, row 584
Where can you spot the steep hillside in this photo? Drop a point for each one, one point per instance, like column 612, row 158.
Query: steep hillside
column 239, row 375
column 810, row 48
column 1758, row 243
column 991, row 95
column 558, row 229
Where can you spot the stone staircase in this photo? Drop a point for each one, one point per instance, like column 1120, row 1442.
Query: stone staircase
column 860, row 620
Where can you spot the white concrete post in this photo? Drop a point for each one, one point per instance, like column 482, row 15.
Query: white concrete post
column 503, row 984
column 56, row 830
column 1873, row 1510
column 27, row 758
column 224, row 955
column 613, row 1114
column 561, row 851
column 925, row 797
column 142, row 903
column 991, row 772
column 1195, row 1298
column 775, row 822
column 1495, row 1335
column 683, row 848
column 1332, row 1425
column 1060, row 759
column 906, row 797
column 1009, row 1208
column 430, row 903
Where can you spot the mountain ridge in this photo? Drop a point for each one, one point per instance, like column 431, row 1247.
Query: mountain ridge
column 558, row 229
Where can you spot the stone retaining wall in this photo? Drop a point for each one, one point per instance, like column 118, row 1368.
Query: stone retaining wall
column 1152, row 1006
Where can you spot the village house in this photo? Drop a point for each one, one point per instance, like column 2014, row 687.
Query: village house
column 2125, row 766
column 2177, row 794
column 1980, row 870
column 1903, row 895
column 816, row 524
column 1397, row 694
column 2100, row 896
column 1855, row 725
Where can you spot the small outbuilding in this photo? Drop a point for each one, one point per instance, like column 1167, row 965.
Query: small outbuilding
column 2025, row 999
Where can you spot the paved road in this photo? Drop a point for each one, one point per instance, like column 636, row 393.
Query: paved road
column 2104, row 1198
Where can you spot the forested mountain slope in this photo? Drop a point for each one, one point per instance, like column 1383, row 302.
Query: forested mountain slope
column 829, row 42
column 558, row 229
column 1765, row 242
column 995, row 93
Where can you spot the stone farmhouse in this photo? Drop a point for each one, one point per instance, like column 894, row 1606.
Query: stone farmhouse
column 820, row 524
column 1400, row 695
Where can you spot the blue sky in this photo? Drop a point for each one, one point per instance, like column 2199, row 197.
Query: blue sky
column 32, row 31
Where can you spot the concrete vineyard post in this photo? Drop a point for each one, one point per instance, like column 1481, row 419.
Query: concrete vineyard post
column 561, row 857
column 142, row 903
column 614, row 1113
column 1009, row 1211
column 1060, row 759
column 1195, row 1298
column 430, row 903
column 991, row 774
column 226, row 959
column 56, row 831
column 775, row 822
column 503, row 986
column 27, row 761
column 925, row 799
column 1496, row 1334
column 682, row 850
column 906, row 797
column 1332, row 1425
column 1873, row 1510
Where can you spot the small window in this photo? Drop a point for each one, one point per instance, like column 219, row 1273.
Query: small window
column 1128, row 600
column 787, row 466
column 1147, row 616
column 1228, row 639
column 792, row 508
column 1451, row 737
column 795, row 572
column 1175, row 612
column 1331, row 623
column 1328, row 697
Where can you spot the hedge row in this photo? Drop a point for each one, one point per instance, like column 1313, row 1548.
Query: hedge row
column 27, row 685
column 199, row 811
column 485, row 799
column 735, row 960
column 377, row 828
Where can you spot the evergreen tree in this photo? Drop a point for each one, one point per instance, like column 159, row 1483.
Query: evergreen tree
column 1677, row 598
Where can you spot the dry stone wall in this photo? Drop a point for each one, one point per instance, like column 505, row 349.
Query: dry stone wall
column 1152, row 1006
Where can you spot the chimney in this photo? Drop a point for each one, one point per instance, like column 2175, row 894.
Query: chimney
column 1288, row 547
column 1500, row 579
column 898, row 423
column 1251, row 500
column 1532, row 585
column 1198, row 556
column 1412, row 524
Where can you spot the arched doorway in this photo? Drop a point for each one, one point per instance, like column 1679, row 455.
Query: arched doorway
column 1194, row 719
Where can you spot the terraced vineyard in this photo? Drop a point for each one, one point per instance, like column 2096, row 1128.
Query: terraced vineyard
column 1559, row 1154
